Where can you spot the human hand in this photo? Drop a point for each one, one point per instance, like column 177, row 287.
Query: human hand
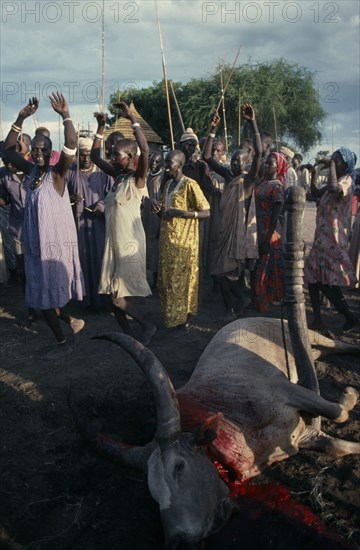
column 156, row 206
column 323, row 161
column 247, row 112
column 215, row 120
column 101, row 118
column 76, row 199
column 124, row 108
column 30, row 108
column 59, row 104
column 97, row 211
column 172, row 213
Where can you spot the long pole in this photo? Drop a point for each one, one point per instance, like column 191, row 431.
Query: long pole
column 165, row 79
column 103, row 58
column 228, row 80
column 77, row 204
column 177, row 106
column 275, row 131
column 239, row 118
column 223, row 107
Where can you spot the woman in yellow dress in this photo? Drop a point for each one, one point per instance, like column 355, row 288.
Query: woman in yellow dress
column 182, row 205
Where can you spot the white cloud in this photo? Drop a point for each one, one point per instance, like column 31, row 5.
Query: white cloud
column 35, row 51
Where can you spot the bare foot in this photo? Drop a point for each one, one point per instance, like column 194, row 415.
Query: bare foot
column 59, row 351
column 77, row 325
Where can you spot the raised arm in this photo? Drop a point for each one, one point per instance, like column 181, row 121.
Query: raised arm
column 10, row 143
column 142, row 167
column 206, row 154
column 315, row 192
column 248, row 114
column 95, row 156
column 60, row 106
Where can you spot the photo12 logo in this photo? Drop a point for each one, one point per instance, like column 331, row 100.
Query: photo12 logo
column 270, row 12
column 69, row 12
column 88, row 92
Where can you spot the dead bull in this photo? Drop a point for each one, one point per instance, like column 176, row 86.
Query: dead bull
column 240, row 407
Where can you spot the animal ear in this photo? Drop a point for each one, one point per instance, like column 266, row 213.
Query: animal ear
column 157, row 484
column 207, row 431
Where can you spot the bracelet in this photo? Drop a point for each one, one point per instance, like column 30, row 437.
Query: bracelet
column 99, row 136
column 67, row 151
column 196, row 215
column 66, row 119
column 15, row 128
column 211, row 135
column 135, row 125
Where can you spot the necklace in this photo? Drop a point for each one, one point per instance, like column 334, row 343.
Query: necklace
column 37, row 181
column 120, row 179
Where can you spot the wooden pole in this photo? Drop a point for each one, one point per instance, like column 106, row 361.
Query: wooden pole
column 177, row 106
column 223, row 108
column 102, row 146
column 77, row 205
column 165, row 79
column 275, row 131
column 228, row 80
column 239, row 119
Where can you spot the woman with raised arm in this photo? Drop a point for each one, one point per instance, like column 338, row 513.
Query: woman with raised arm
column 328, row 266
column 123, row 273
column 269, row 278
column 236, row 246
column 52, row 266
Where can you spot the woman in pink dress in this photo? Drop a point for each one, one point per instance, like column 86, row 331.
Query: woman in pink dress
column 328, row 267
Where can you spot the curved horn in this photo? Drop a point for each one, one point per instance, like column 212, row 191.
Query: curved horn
column 167, row 407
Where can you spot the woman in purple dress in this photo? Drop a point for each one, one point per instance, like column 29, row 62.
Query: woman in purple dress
column 52, row 266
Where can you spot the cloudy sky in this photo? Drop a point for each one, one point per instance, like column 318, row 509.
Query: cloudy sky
column 48, row 45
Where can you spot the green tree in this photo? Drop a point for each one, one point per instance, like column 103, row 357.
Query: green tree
column 285, row 87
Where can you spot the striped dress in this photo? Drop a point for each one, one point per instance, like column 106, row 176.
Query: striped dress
column 52, row 265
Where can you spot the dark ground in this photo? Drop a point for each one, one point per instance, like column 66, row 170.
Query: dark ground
column 57, row 494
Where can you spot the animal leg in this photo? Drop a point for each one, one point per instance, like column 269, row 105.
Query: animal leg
column 310, row 402
column 315, row 440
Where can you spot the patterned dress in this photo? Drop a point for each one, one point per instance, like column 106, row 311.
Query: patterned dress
column 179, row 254
column 52, row 265
column 328, row 262
column 270, row 268
column 123, row 270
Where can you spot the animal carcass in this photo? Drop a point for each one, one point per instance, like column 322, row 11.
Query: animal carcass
column 239, row 408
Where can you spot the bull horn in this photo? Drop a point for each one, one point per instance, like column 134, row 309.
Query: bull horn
column 166, row 403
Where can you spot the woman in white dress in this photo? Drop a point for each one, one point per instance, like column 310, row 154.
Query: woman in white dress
column 123, row 271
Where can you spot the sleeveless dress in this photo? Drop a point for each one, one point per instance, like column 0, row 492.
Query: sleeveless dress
column 328, row 262
column 52, row 265
column 123, row 271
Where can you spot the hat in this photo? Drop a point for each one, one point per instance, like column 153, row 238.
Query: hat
column 189, row 134
column 287, row 152
column 85, row 143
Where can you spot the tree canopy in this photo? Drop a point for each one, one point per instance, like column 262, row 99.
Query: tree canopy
column 286, row 88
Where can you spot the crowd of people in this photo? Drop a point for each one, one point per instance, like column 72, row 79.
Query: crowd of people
column 102, row 228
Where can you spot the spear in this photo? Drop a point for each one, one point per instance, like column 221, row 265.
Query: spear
column 228, row 81
column 165, row 78
column 223, row 107
column 177, row 106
